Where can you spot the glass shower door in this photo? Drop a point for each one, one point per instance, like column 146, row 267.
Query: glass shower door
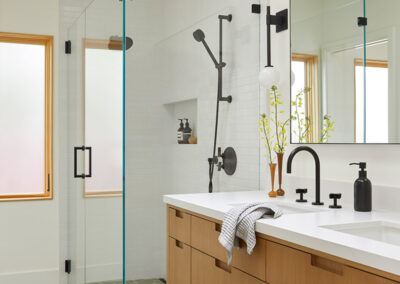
column 95, row 82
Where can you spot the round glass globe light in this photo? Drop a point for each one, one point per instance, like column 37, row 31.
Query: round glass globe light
column 269, row 76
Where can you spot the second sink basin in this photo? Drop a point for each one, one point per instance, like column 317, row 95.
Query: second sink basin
column 289, row 208
column 381, row 231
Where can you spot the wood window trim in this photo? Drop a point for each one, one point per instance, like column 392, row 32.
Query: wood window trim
column 311, row 101
column 96, row 44
column 47, row 42
column 359, row 62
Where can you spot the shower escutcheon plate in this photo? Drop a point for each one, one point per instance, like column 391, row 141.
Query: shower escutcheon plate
column 229, row 161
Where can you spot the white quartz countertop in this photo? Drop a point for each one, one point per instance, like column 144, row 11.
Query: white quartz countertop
column 305, row 229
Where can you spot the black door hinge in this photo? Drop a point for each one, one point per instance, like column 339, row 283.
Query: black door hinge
column 362, row 21
column 68, row 47
column 256, row 8
column 68, row 266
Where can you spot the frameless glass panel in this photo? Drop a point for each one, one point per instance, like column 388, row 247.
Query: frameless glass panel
column 103, row 112
column 95, row 82
column 22, row 119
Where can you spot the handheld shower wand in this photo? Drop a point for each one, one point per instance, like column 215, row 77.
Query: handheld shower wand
column 200, row 37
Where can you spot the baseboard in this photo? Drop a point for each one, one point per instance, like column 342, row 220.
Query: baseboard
column 46, row 276
column 103, row 272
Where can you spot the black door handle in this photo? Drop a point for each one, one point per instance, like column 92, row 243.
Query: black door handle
column 83, row 175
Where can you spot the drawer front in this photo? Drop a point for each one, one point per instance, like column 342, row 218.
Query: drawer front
column 179, row 262
column 179, row 225
column 205, row 235
column 208, row 270
column 331, row 271
column 358, row 276
column 286, row 265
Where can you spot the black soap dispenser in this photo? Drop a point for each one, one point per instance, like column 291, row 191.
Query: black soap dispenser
column 362, row 190
column 187, row 132
column 180, row 132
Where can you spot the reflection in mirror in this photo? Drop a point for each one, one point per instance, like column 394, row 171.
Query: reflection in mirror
column 341, row 89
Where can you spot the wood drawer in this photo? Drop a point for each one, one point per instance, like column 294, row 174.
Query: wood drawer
column 208, row 270
column 179, row 225
column 204, row 237
column 286, row 265
column 358, row 277
column 179, row 260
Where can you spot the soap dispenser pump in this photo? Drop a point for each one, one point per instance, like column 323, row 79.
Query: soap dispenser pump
column 180, row 132
column 362, row 190
column 187, row 132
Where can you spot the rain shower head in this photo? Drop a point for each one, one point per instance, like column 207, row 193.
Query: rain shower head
column 199, row 35
column 119, row 39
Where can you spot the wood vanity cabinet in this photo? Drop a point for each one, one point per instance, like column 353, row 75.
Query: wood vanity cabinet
column 194, row 256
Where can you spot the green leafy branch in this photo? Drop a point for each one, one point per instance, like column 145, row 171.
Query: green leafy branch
column 265, row 129
column 327, row 126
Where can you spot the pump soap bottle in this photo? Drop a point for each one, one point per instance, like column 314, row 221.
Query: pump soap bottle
column 362, row 190
column 180, row 132
column 187, row 132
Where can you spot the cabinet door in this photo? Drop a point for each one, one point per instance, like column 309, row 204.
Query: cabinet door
column 286, row 265
column 179, row 262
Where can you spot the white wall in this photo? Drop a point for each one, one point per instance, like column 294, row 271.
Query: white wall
column 29, row 243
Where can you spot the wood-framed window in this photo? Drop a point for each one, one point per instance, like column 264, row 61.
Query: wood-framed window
column 103, row 113
column 369, row 127
column 26, row 117
column 311, row 100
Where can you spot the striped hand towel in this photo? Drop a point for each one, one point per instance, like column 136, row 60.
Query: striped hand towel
column 240, row 223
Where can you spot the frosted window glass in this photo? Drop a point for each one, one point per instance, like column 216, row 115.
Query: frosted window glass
column 103, row 118
column 22, row 118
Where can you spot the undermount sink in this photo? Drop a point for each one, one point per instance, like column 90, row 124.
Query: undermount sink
column 288, row 208
column 381, row 231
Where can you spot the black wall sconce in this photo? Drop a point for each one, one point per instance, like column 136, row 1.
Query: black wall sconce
column 270, row 76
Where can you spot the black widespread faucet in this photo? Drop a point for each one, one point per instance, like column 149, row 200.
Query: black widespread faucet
column 317, row 170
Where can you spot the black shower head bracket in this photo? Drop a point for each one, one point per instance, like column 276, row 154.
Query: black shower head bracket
column 280, row 20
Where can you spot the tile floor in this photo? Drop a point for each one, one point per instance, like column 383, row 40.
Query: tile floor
column 149, row 281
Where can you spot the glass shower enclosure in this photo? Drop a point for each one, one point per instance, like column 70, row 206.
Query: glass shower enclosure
column 134, row 69
column 95, row 126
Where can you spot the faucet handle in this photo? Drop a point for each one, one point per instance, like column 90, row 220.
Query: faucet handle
column 301, row 191
column 335, row 197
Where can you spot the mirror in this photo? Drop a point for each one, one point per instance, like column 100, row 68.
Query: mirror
column 343, row 80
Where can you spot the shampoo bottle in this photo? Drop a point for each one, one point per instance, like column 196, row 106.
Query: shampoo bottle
column 362, row 190
column 180, row 132
column 187, row 132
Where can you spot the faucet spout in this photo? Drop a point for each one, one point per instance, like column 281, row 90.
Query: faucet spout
column 317, row 170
